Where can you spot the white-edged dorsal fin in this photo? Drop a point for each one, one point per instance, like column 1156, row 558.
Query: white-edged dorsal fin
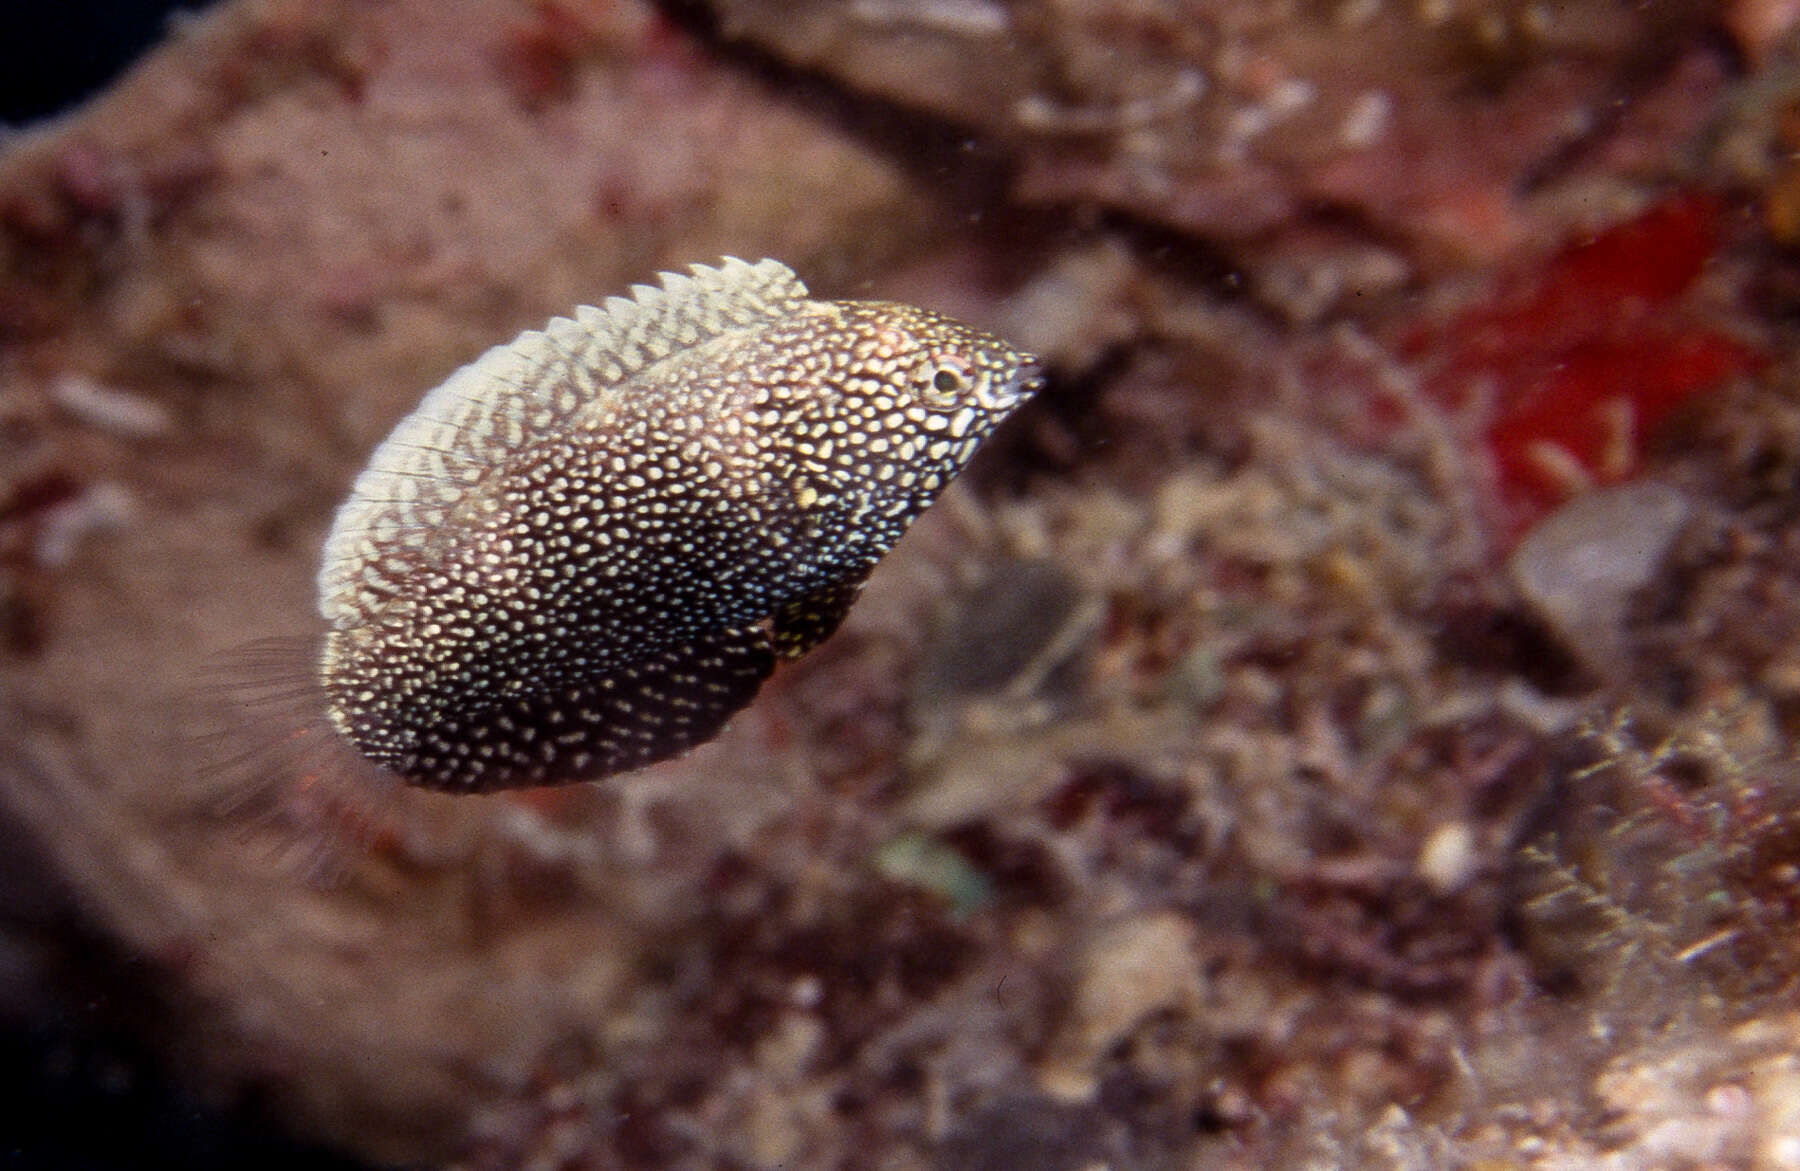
column 491, row 407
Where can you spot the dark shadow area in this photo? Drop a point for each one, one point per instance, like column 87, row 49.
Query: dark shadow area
column 52, row 56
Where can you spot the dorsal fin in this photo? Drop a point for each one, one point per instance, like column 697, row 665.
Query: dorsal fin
column 494, row 405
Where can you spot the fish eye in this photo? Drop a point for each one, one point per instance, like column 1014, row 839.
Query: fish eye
column 943, row 381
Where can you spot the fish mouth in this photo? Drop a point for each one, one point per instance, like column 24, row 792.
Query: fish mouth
column 1002, row 395
column 1027, row 382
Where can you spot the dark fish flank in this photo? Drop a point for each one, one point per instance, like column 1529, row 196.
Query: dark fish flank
column 586, row 550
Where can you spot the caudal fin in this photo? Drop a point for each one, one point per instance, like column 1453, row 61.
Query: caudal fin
column 267, row 766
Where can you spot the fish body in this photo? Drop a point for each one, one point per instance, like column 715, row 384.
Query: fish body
column 586, row 550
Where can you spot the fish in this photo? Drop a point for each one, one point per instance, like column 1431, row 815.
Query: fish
column 586, row 550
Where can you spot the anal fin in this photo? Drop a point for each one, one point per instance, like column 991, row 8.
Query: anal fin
column 806, row 622
column 637, row 714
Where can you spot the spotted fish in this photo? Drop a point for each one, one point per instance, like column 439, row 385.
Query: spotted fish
column 584, row 551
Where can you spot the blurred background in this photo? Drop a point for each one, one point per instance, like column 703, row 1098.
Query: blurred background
column 88, row 1095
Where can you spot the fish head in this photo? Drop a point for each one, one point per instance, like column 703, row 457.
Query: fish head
column 950, row 382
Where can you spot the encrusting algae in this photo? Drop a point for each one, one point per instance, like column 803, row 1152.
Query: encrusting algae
column 584, row 551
